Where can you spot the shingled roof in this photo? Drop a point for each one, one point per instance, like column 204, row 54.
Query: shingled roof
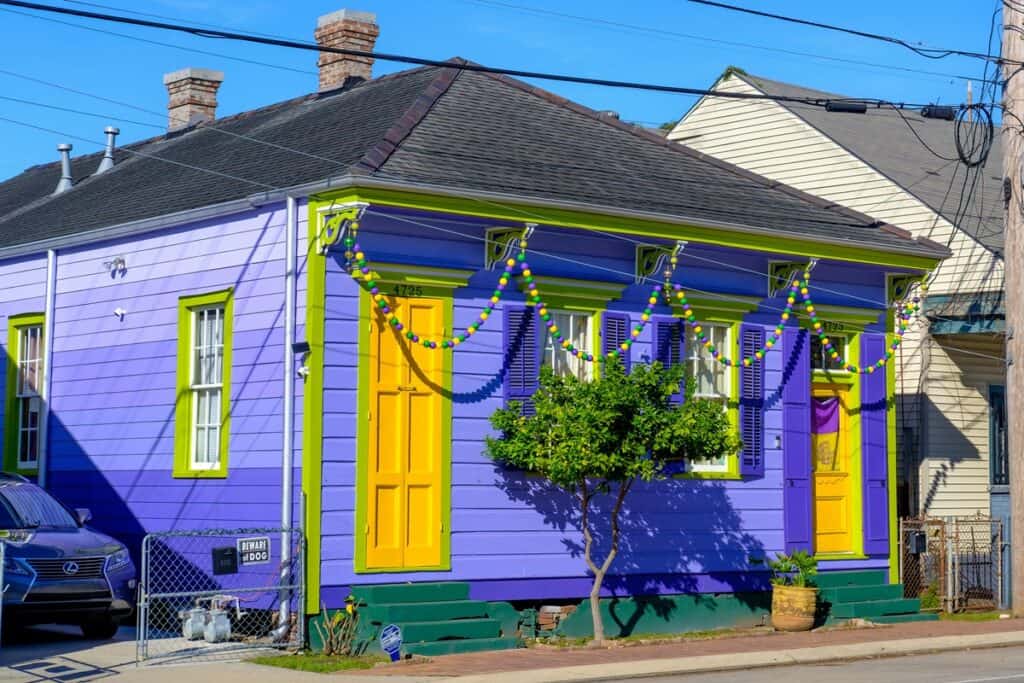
column 880, row 138
column 435, row 126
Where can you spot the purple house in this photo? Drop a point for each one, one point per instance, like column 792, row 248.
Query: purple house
column 297, row 316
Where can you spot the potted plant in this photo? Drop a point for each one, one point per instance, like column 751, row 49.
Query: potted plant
column 794, row 595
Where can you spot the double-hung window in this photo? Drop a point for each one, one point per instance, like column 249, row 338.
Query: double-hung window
column 24, row 391
column 204, row 384
column 713, row 380
column 577, row 329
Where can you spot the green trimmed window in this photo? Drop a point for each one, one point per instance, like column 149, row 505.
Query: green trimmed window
column 24, row 408
column 820, row 357
column 203, row 410
column 576, row 327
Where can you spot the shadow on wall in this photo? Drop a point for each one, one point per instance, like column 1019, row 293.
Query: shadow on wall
column 677, row 537
column 948, row 446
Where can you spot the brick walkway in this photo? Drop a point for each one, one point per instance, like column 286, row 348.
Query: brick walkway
column 543, row 658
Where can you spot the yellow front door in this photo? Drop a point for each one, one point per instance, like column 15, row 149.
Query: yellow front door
column 831, row 462
column 404, row 477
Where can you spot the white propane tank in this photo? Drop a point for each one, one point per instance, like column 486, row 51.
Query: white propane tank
column 193, row 623
column 218, row 628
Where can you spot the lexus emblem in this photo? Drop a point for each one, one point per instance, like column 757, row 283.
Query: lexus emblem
column 70, row 568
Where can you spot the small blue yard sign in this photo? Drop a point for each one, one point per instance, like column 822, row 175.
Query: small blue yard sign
column 391, row 641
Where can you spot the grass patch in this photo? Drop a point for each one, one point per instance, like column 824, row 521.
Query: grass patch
column 649, row 638
column 315, row 663
column 971, row 616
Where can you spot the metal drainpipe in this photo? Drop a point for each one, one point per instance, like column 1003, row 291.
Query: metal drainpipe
column 51, row 288
column 287, row 451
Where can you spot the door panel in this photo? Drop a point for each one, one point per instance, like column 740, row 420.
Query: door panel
column 830, row 453
column 405, row 450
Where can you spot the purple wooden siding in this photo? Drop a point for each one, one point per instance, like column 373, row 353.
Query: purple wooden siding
column 752, row 403
column 874, row 453
column 114, row 381
column 614, row 332
column 796, row 439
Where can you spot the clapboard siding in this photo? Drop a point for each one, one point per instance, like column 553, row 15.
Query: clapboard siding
column 114, row 380
column 955, row 474
column 768, row 139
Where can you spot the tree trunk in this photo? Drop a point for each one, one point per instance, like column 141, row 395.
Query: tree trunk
column 600, row 572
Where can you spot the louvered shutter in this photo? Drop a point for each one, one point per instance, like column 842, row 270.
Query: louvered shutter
column 669, row 341
column 752, row 403
column 614, row 332
column 874, row 448
column 796, row 438
column 522, row 355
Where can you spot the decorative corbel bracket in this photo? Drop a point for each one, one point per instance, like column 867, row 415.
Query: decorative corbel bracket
column 500, row 243
column 899, row 287
column 336, row 221
column 782, row 273
column 651, row 259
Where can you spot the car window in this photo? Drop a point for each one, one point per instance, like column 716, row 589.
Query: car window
column 36, row 508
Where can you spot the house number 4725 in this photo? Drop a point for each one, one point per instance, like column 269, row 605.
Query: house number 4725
column 408, row 290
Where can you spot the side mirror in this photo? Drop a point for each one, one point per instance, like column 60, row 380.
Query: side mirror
column 83, row 515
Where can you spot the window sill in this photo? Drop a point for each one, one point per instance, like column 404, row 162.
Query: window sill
column 200, row 474
column 721, row 476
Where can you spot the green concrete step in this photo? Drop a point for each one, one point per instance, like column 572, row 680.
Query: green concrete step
column 390, row 593
column 468, row 629
column 903, row 618
column 425, row 611
column 861, row 577
column 451, row 647
column 875, row 608
column 890, row 591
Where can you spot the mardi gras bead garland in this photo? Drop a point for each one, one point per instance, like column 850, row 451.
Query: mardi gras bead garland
column 904, row 315
column 772, row 339
column 359, row 269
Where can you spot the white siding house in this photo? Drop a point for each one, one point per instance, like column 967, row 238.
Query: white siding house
column 950, row 366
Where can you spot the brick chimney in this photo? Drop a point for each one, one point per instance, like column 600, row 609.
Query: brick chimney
column 345, row 29
column 192, row 96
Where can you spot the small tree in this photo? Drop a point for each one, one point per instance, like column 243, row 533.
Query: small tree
column 601, row 437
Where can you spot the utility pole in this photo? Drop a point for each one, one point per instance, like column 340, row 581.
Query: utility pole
column 1013, row 265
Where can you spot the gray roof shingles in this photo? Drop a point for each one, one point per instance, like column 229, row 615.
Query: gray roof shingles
column 881, row 139
column 437, row 126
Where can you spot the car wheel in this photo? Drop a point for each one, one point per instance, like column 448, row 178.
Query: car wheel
column 103, row 628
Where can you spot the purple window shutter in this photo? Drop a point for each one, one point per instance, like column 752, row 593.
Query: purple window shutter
column 615, row 331
column 874, row 448
column 752, row 403
column 669, row 341
column 522, row 355
column 796, row 439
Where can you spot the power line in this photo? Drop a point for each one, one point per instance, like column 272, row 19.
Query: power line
column 420, row 61
column 651, row 30
column 929, row 52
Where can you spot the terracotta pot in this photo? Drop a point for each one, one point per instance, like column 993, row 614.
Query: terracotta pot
column 794, row 608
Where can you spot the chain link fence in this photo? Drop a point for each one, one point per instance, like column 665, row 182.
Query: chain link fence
column 952, row 563
column 210, row 594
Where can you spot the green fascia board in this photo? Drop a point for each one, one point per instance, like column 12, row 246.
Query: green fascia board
column 440, row 278
column 629, row 225
column 14, row 325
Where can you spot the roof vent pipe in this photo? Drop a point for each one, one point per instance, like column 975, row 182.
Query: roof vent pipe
column 107, row 162
column 65, row 168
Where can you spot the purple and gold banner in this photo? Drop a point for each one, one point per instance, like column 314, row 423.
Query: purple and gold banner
column 825, row 434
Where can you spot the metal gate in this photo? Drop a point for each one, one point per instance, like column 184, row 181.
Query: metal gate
column 210, row 594
column 952, row 563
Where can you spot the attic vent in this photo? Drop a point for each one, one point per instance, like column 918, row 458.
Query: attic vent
column 66, row 181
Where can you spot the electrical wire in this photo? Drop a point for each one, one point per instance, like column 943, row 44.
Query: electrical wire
column 201, row 32
column 929, row 52
column 672, row 34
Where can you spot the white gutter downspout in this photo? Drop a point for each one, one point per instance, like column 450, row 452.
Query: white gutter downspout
column 44, row 418
column 287, row 450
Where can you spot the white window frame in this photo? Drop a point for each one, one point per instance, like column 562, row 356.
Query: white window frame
column 560, row 360
column 27, row 395
column 695, row 355
column 212, row 419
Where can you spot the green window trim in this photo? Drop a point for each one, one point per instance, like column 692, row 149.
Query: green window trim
column 732, row 470
column 15, row 324
column 183, row 425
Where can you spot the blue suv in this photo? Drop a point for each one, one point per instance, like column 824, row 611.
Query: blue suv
column 57, row 570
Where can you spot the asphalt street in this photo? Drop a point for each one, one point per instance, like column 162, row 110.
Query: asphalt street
column 1002, row 665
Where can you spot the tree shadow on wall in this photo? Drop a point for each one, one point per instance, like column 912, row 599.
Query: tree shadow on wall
column 676, row 537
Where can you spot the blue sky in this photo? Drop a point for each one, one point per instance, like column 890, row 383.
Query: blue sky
column 486, row 31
